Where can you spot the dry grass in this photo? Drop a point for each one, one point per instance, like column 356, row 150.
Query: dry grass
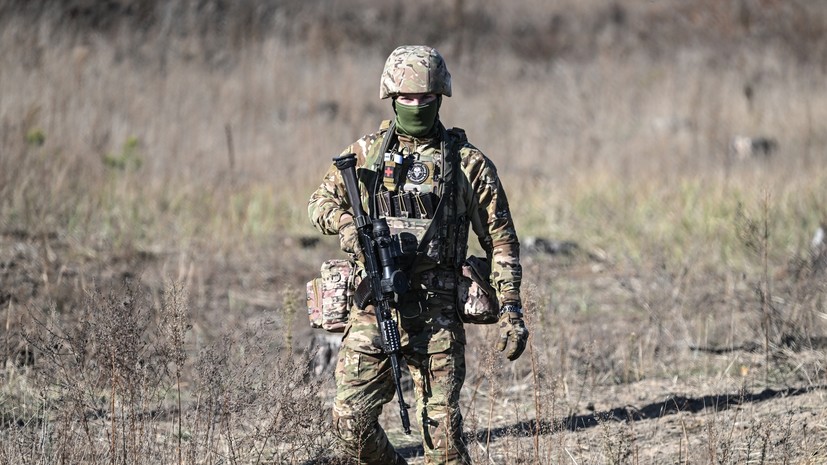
column 688, row 326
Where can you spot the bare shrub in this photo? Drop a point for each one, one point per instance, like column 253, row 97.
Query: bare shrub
column 253, row 402
column 110, row 390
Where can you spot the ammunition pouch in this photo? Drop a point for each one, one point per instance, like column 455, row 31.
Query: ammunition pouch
column 420, row 205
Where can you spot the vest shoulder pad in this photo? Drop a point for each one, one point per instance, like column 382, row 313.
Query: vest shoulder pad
column 459, row 135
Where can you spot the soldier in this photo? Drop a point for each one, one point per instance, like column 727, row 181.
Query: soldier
column 414, row 172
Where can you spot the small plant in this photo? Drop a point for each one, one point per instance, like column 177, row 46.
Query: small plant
column 175, row 324
column 35, row 137
column 129, row 159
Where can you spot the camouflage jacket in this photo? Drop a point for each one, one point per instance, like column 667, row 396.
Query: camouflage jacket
column 480, row 200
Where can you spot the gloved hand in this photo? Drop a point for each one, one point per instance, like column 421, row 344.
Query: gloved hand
column 349, row 236
column 512, row 331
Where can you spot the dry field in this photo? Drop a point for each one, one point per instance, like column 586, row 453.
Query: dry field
column 156, row 158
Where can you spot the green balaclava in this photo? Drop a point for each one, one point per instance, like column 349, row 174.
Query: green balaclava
column 417, row 120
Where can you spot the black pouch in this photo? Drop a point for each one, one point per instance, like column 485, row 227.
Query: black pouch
column 383, row 200
column 403, row 205
column 424, row 205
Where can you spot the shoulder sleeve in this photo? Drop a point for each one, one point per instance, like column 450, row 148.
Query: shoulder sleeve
column 491, row 221
column 329, row 201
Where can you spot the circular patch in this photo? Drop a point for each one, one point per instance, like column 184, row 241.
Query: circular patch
column 418, row 172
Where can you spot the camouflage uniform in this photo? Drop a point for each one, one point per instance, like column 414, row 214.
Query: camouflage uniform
column 432, row 335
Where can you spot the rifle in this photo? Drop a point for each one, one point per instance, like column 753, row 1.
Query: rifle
column 384, row 278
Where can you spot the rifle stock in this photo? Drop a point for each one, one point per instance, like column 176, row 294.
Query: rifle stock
column 384, row 277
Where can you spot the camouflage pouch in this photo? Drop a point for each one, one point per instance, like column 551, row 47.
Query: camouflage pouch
column 477, row 298
column 330, row 296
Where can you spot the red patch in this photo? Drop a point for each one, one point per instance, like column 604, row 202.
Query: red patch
column 388, row 171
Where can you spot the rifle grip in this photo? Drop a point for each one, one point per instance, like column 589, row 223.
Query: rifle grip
column 362, row 295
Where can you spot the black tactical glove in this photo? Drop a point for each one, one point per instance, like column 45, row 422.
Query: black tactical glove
column 513, row 331
column 349, row 236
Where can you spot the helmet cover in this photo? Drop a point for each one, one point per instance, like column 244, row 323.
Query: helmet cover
column 415, row 69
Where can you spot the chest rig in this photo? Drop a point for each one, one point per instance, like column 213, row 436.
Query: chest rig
column 415, row 188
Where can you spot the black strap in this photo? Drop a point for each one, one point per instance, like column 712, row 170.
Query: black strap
column 449, row 176
column 400, row 172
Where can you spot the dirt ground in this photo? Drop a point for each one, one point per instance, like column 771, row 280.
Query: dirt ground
column 565, row 401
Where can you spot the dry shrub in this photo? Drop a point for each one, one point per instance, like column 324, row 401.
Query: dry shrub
column 113, row 384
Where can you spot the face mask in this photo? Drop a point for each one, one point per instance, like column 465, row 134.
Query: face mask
column 416, row 120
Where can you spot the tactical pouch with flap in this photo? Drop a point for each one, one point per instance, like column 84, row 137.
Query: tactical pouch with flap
column 477, row 298
column 330, row 296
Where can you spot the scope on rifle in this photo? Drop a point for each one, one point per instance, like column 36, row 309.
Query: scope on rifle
column 389, row 248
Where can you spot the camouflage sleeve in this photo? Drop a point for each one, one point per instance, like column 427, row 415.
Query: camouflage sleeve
column 492, row 223
column 329, row 202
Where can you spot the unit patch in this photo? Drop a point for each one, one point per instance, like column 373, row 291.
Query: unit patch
column 418, row 172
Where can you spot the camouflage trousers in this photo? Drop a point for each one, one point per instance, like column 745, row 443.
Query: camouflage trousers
column 434, row 350
column 365, row 384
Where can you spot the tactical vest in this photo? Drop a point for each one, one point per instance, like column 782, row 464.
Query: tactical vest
column 418, row 194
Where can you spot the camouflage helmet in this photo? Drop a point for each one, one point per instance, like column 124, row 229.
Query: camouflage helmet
column 415, row 69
